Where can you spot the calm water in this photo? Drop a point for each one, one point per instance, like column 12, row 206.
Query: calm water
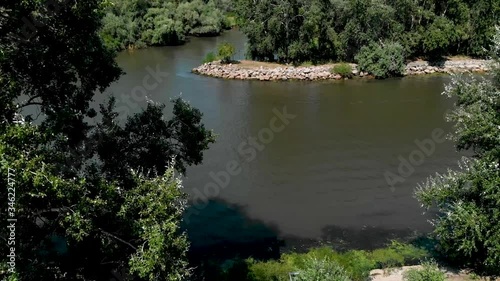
column 322, row 176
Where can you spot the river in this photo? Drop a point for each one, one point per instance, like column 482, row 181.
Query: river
column 320, row 176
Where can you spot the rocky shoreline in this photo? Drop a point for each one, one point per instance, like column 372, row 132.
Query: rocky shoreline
column 245, row 70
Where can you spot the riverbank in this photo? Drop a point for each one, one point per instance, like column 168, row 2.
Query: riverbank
column 390, row 263
column 252, row 70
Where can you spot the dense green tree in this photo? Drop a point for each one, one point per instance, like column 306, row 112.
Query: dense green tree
column 382, row 60
column 52, row 57
column 226, row 52
column 468, row 200
column 438, row 37
column 138, row 23
column 319, row 30
column 84, row 228
column 89, row 200
column 369, row 21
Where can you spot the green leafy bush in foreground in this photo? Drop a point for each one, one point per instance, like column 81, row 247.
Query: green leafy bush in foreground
column 355, row 265
column 398, row 254
column 322, row 270
column 429, row 272
column 342, row 69
column 467, row 200
column 382, row 60
column 270, row 270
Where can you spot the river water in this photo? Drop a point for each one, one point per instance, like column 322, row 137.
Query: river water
column 317, row 176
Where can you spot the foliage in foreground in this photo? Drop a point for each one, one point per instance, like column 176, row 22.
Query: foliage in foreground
column 382, row 60
column 351, row 265
column 91, row 197
column 468, row 200
column 429, row 272
column 322, row 270
column 63, row 222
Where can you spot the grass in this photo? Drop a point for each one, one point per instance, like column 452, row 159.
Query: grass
column 209, row 57
column 342, row 69
column 356, row 264
column 429, row 272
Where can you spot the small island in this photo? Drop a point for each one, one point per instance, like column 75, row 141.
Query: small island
column 265, row 71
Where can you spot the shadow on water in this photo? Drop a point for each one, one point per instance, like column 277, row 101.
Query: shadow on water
column 222, row 233
column 344, row 239
column 216, row 242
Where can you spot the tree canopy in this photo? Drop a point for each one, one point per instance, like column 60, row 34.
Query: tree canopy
column 89, row 200
column 139, row 23
column 324, row 30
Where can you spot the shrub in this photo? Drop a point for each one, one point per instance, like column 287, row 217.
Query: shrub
column 226, row 52
column 468, row 200
column 210, row 57
column 382, row 60
column 342, row 69
column 322, row 270
column 398, row 254
column 270, row 270
column 429, row 272
column 304, row 63
column 357, row 264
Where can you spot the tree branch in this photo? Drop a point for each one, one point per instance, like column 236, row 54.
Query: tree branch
column 118, row 238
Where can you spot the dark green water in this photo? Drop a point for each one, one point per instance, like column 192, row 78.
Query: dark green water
column 321, row 177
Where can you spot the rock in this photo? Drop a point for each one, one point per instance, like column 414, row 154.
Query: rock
column 376, row 272
column 233, row 71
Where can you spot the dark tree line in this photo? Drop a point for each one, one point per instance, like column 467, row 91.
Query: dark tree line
column 140, row 23
column 336, row 30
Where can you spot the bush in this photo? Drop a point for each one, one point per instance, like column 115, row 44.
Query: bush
column 342, row 69
column 226, row 52
column 270, row 270
column 467, row 200
column 429, row 272
column 356, row 265
column 210, row 57
column 322, row 270
column 382, row 60
column 398, row 254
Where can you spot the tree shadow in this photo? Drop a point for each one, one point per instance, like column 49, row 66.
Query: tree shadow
column 437, row 61
column 221, row 234
column 230, row 62
column 366, row 238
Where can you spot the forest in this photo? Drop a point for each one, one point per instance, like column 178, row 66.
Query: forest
column 140, row 23
column 295, row 31
column 336, row 30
